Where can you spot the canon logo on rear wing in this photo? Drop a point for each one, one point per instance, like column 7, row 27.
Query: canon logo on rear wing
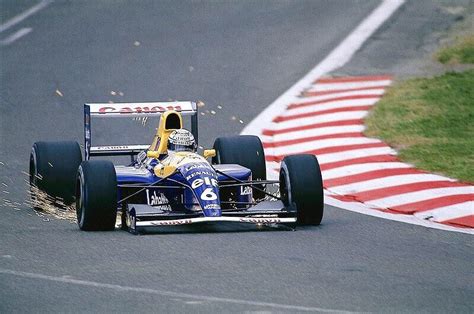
column 127, row 109
column 138, row 109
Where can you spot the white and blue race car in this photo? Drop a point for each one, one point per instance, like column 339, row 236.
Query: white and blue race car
column 167, row 183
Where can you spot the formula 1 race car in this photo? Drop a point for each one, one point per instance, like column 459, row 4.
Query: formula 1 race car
column 168, row 184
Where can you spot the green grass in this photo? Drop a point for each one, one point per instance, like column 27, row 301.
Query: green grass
column 431, row 122
column 461, row 52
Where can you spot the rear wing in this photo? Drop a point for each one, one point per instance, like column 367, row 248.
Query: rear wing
column 127, row 110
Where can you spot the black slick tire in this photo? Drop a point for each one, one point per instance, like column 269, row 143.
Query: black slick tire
column 53, row 167
column 96, row 196
column 245, row 150
column 301, row 184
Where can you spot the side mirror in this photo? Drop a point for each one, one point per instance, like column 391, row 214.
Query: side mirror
column 152, row 154
column 209, row 153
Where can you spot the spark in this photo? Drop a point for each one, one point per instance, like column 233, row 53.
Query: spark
column 50, row 205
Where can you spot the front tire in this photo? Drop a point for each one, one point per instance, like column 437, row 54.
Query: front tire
column 301, row 184
column 244, row 150
column 96, row 196
column 53, row 168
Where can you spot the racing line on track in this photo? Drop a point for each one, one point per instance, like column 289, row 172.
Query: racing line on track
column 325, row 117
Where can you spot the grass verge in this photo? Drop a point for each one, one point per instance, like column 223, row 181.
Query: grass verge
column 461, row 52
column 431, row 122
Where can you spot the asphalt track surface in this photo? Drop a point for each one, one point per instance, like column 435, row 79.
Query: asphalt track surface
column 237, row 55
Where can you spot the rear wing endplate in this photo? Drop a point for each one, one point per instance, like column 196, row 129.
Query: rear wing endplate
column 127, row 110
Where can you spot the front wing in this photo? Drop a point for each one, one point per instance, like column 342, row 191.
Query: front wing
column 140, row 217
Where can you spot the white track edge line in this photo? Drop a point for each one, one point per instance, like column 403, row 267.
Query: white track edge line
column 165, row 293
column 15, row 36
column 337, row 58
column 20, row 17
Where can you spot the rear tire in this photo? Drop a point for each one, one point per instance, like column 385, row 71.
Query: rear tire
column 301, row 184
column 245, row 150
column 96, row 196
column 53, row 168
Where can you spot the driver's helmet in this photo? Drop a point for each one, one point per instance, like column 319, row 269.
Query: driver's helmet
column 181, row 141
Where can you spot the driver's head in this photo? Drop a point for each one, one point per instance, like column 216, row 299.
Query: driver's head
column 181, row 140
